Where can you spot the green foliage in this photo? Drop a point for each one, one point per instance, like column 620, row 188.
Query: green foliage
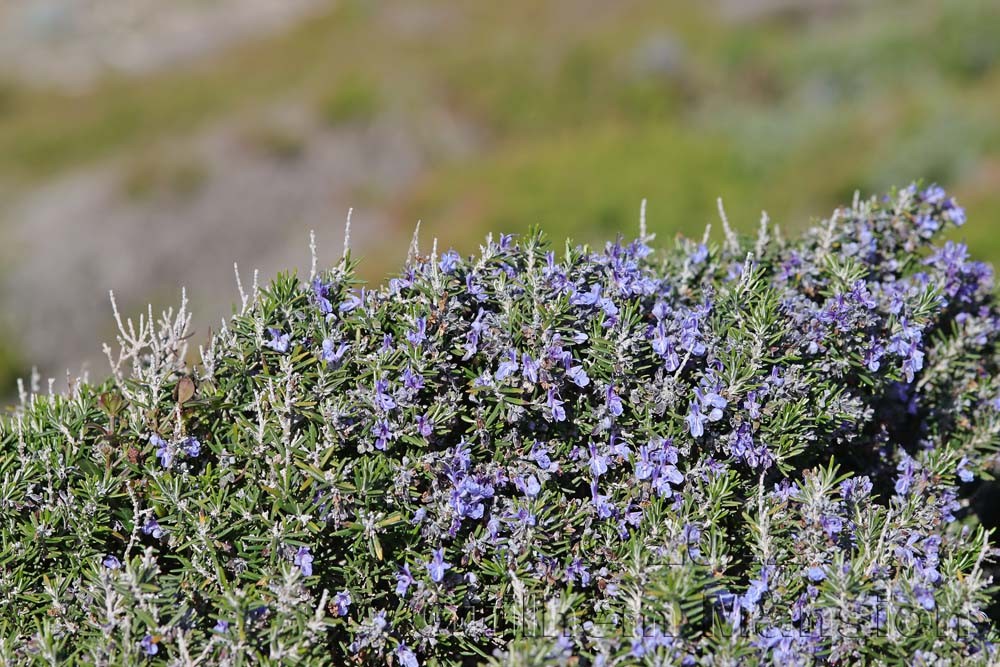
column 752, row 451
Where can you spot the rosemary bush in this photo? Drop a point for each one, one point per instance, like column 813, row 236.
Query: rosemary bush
column 759, row 451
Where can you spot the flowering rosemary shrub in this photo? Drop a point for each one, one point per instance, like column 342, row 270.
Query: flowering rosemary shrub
column 756, row 452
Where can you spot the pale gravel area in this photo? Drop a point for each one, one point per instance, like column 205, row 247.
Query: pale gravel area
column 68, row 242
column 73, row 43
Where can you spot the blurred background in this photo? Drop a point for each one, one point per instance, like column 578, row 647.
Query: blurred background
column 146, row 145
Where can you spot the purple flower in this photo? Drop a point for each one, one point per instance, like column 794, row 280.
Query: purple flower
column 397, row 285
column 151, row 527
column 221, row 626
column 462, row 456
column 342, row 601
column 529, row 485
column 424, row 425
column 321, row 293
column 279, row 342
column 924, row 596
column 350, row 303
column 913, row 362
column 540, row 455
column 111, row 562
column 907, row 344
column 755, row 591
column 927, row 225
column 692, row 537
column 149, row 646
column 832, row 525
column 906, row 552
column 412, row 380
column 507, row 367
column 708, row 407
column 743, row 447
column 467, row 496
column 862, row 296
column 555, row 406
column 449, row 262
column 713, row 403
column 304, row 560
column 529, row 368
column 383, row 433
column 907, row 469
column 577, row 571
column 963, row 471
column 493, row 529
column 815, row 574
column 785, row 490
column 610, row 310
column 589, row 298
column 524, row 517
column 696, row 420
column 856, row 488
column 690, row 338
column 163, row 450
column 955, row 213
column 664, row 347
column 873, row 357
column 404, row 579
column 419, row 334
column 192, row 447
column 474, row 288
column 437, row 565
column 383, row 401
column 578, row 376
column 605, row 509
column 752, row 405
column 655, row 462
column 331, row 354
column 472, row 337
column 598, row 462
column 934, row 194
column 406, row 657
column 613, row 402
column 645, row 466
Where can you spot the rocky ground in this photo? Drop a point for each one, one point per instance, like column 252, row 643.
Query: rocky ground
column 245, row 192
column 71, row 43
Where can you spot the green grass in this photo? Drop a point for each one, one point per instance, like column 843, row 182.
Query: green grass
column 353, row 100
column 564, row 185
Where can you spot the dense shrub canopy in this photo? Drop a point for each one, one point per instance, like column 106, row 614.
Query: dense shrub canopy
column 757, row 451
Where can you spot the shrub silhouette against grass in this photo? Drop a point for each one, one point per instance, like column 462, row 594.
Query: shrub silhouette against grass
column 757, row 451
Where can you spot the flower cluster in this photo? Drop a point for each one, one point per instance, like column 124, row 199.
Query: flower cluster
column 761, row 451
